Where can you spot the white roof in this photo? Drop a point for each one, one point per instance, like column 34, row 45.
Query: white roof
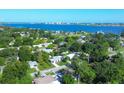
column 43, row 44
column 32, row 63
column 56, row 58
column 71, row 55
column 47, row 50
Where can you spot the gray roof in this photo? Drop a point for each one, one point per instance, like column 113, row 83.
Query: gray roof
column 44, row 80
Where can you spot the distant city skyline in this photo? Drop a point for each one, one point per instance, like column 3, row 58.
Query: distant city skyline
column 63, row 15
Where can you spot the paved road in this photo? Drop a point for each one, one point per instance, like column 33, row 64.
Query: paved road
column 55, row 69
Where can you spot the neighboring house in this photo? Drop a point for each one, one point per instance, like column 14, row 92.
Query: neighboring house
column 33, row 64
column 122, row 43
column 1, row 28
column 62, row 43
column 45, row 80
column 47, row 50
column 39, row 45
column 24, row 34
column 42, row 45
column 46, row 44
column 56, row 59
column 12, row 43
column 71, row 55
column 17, row 57
column 81, row 41
column 110, row 49
column 100, row 32
column 82, row 37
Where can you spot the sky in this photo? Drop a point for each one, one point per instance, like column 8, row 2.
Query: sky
column 62, row 15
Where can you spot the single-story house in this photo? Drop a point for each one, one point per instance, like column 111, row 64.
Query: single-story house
column 56, row 59
column 110, row 49
column 45, row 80
column 24, row 34
column 33, row 64
column 46, row 44
column 42, row 45
column 82, row 37
column 100, row 32
column 1, row 28
column 62, row 43
column 12, row 42
column 81, row 41
column 122, row 44
column 71, row 55
column 47, row 50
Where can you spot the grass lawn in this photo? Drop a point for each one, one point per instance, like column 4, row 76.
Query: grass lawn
column 120, row 50
column 45, row 66
column 50, row 73
column 31, row 70
column 62, row 63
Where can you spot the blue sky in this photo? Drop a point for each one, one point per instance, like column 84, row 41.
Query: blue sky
column 62, row 15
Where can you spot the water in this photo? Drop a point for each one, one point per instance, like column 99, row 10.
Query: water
column 70, row 28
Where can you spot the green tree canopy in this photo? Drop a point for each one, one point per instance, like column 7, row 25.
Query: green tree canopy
column 14, row 72
column 67, row 79
column 24, row 53
column 2, row 61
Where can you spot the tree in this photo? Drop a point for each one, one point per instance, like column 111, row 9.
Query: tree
column 83, row 71
column 87, row 74
column 75, row 47
column 8, row 52
column 43, row 60
column 107, row 72
column 122, row 34
column 87, row 47
column 18, row 41
column 118, row 60
column 2, row 61
column 67, row 79
column 25, row 54
column 69, row 40
column 14, row 72
column 115, row 44
column 27, row 41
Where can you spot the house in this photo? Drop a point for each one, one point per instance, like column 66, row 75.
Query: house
column 62, row 43
column 1, row 28
column 100, row 32
column 45, row 80
column 56, row 59
column 33, row 64
column 24, row 34
column 122, row 43
column 82, row 37
column 47, row 50
column 71, row 55
column 81, row 41
column 110, row 49
column 12, row 43
column 42, row 45
column 46, row 44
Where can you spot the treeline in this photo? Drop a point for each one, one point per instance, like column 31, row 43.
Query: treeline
column 95, row 64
